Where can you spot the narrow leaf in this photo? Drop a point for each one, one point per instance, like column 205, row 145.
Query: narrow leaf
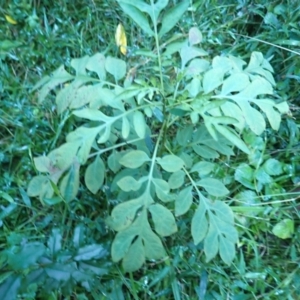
column 137, row 16
column 135, row 257
column 172, row 16
column 139, row 124
column 199, row 224
column 183, row 201
column 115, row 67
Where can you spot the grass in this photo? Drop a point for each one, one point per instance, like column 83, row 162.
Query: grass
column 50, row 33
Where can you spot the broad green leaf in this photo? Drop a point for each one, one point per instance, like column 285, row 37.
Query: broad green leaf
column 113, row 161
column 135, row 257
column 159, row 6
column 139, row 124
column 70, row 183
column 235, row 83
column 40, row 186
column 137, row 16
column 134, row 159
column 172, row 16
column 152, row 10
column 205, row 151
column 63, row 156
column 125, row 128
column 161, row 184
column 273, row 167
column 171, row 163
column 96, row 63
column 10, row 287
column 189, row 52
column 212, row 79
column 183, row 201
column 84, row 95
column 173, row 48
column 58, row 77
column 93, row 268
column 195, row 36
column 26, row 257
column 42, row 163
column 124, row 214
column 79, row 64
column 128, row 183
column 224, row 213
column 222, row 235
column 267, row 106
column 69, row 92
column 163, row 219
column 208, row 144
column 105, row 98
column 213, row 186
column 184, row 135
column 231, row 109
column 194, row 87
column 86, row 137
column 124, row 238
column 94, row 251
column 197, row 66
column 258, row 86
column 245, row 175
column 232, row 137
column 284, row 229
column 54, row 241
column 60, row 272
column 92, row 115
column 253, row 118
column 176, row 179
column 94, row 175
column 262, row 176
column 152, row 243
column 104, row 135
column 211, row 242
column 203, row 168
column 199, row 224
column 116, row 67
column 227, row 250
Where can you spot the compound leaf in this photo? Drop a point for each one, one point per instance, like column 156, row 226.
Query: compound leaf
column 163, row 219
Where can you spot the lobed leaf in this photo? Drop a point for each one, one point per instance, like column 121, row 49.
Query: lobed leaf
column 163, row 219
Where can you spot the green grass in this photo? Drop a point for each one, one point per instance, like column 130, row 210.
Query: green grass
column 51, row 33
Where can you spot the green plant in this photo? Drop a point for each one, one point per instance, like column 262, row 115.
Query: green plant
column 127, row 130
column 160, row 112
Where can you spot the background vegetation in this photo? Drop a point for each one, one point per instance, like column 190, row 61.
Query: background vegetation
column 50, row 33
